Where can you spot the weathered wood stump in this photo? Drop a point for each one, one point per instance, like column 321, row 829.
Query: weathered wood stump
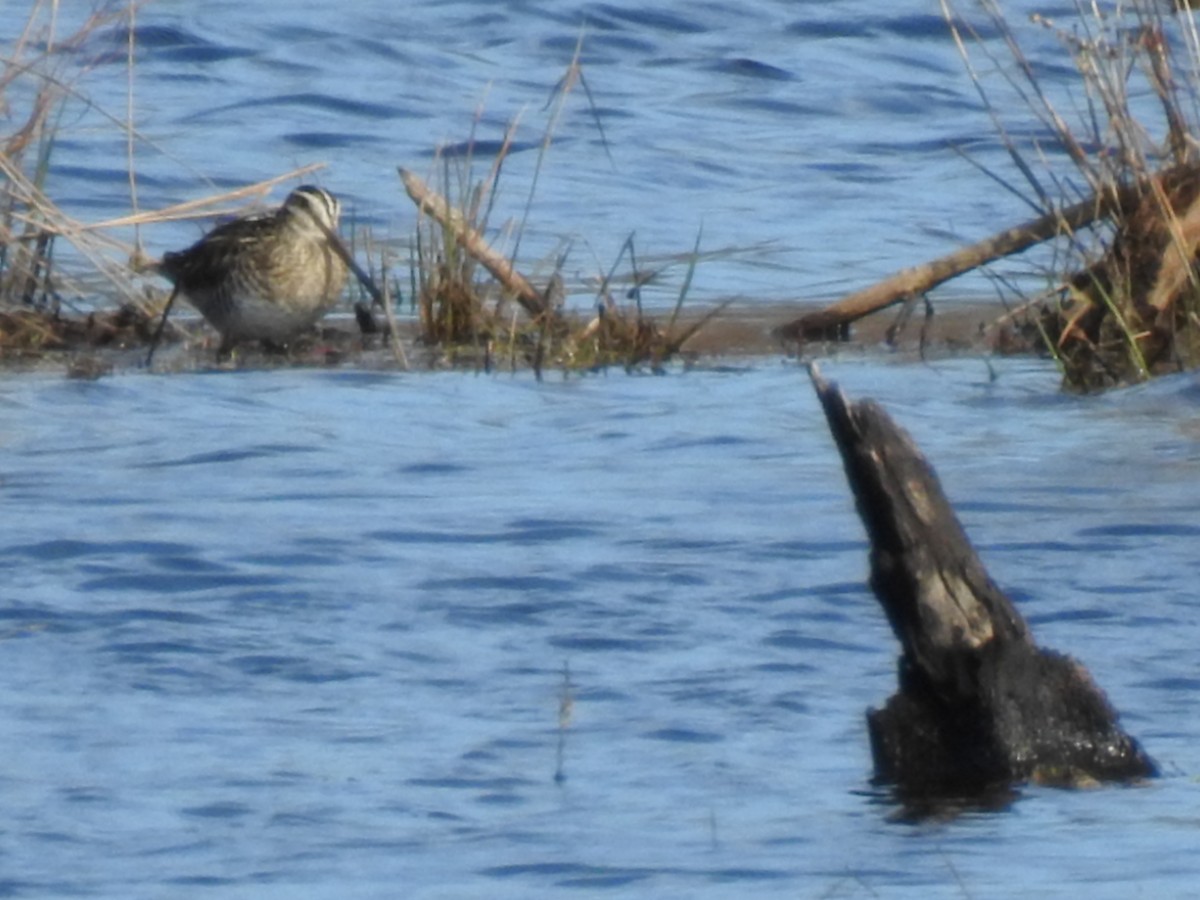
column 980, row 706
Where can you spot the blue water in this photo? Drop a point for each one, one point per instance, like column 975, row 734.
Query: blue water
column 821, row 141
column 346, row 634
column 308, row 633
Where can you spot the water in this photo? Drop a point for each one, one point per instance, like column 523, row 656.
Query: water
column 823, row 141
column 308, row 632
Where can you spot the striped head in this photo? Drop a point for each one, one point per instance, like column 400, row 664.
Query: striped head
column 311, row 209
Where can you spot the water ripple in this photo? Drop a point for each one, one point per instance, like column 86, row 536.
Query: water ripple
column 293, row 668
column 156, row 583
column 65, row 549
column 751, row 68
column 646, row 18
column 685, row 736
column 168, row 43
column 325, row 103
column 223, row 457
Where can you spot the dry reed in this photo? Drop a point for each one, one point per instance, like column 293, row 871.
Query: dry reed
column 1125, row 301
column 100, row 299
column 502, row 316
column 471, row 302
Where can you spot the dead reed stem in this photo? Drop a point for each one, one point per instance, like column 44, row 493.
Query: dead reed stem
column 202, row 208
column 434, row 204
column 46, row 218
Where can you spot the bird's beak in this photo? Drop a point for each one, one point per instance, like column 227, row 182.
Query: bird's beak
column 339, row 247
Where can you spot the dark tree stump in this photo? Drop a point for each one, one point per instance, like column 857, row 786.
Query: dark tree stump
column 980, row 706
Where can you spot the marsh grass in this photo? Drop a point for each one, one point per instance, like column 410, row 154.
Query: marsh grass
column 101, row 298
column 473, row 304
column 1124, row 300
column 40, row 76
column 457, row 307
column 622, row 334
column 470, row 303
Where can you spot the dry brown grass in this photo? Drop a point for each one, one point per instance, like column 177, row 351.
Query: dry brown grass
column 40, row 74
column 101, row 298
column 472, row 304
column 1125, row 300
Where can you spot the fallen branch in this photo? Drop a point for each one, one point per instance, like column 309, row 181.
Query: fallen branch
column 434, row 204
column 917, row 280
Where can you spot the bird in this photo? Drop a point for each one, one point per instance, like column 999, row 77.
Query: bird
column 265, row 277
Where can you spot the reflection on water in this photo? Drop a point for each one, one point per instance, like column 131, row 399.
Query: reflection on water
column 291, row 633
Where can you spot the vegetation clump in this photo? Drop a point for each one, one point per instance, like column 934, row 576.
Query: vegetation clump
column 38, row 77
column 1114, row 184
column 1131, row 307
column 1123, row 218
column 470, row 304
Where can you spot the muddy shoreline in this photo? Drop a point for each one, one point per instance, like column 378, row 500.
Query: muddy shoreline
column 89, row 347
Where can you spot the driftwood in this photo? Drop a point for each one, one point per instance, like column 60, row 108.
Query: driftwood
column 980, row 706
column 430, row 202
column 833, row 320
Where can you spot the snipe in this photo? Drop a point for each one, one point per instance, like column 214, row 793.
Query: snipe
column 264, row 277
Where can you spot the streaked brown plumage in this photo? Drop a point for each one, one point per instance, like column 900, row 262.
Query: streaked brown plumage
column 269, row 276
